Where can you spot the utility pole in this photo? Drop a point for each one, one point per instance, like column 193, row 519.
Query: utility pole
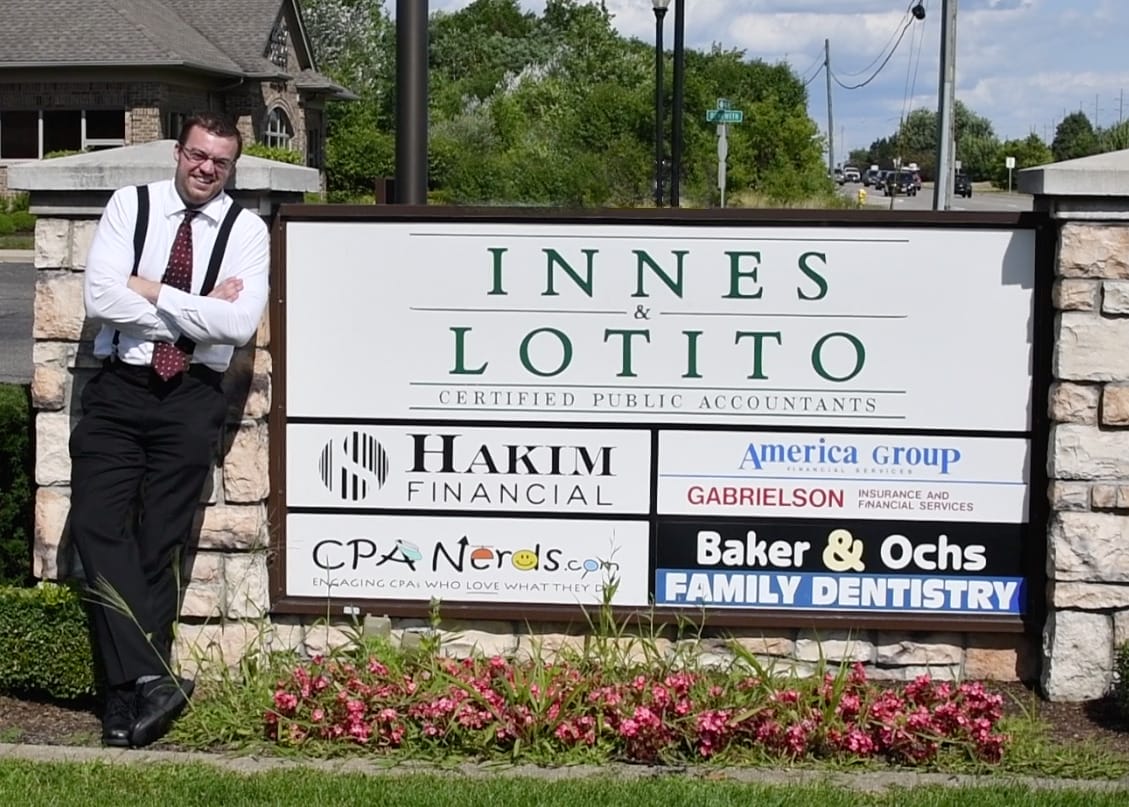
column 943, row 183
column 830, row 120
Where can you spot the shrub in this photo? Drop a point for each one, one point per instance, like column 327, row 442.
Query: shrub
column 282, row 155
column 7, row 226
column 1121, row 682
column 24, row 222
column 15, row 485
column 15, row 203
column 44, row 643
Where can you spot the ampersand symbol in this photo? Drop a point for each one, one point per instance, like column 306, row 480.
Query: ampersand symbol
column 843, row 552
column 642, row 313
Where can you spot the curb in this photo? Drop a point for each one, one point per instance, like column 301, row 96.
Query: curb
column 868, row 782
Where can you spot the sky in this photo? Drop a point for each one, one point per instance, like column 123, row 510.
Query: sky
column 1022, row 64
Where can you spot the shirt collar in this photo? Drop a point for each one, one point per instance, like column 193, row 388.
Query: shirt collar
column 213, row 211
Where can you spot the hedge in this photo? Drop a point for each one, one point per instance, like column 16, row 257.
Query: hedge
column 44, row 642
column 16, row 504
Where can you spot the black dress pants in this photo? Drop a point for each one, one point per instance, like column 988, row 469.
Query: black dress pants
column 139, row 458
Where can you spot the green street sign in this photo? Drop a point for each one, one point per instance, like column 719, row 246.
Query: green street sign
column 724, row 116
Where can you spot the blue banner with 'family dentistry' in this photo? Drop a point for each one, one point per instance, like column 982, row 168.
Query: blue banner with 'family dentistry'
column 848, row 565
column 836, row 592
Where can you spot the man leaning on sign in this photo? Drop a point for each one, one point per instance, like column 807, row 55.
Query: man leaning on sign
column 177, row 276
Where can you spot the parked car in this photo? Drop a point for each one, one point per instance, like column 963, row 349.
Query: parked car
column 851, row 173
column 900, row 182
column 871, row 177
column 839, row 176
column 962, row 186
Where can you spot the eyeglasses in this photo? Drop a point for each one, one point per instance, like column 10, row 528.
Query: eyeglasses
column 197, row 156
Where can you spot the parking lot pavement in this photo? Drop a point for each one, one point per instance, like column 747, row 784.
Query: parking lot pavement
column 17, row 298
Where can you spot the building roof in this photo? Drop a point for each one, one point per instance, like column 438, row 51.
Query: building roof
column 222, row 37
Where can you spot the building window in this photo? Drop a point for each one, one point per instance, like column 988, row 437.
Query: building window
column 278, row 132
column 19, row 135
column 175, row 122
column 278, row 51
column 29, row 134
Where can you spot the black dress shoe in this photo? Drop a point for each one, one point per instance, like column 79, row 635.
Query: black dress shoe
column 117, row 718
column 159, row 703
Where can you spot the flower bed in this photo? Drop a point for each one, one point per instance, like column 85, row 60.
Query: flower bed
column 489, row 707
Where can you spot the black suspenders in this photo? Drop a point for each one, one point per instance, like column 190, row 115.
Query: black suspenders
column 141, row 227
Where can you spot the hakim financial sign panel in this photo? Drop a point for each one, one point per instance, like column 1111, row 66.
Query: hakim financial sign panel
column 523, row 415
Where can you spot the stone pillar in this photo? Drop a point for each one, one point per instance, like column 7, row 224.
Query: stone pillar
column 1088, row 466
column 228, row 571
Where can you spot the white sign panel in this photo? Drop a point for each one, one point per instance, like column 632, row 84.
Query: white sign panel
column 843, row 476
column 480, row 560
column 454, row 467
column 742, row 325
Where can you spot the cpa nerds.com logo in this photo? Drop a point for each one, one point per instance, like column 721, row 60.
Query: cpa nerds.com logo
column 348, row 467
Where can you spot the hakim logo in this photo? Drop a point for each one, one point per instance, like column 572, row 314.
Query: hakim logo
column 348, row 467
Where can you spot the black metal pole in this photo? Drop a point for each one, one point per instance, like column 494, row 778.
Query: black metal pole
column 679, row 88
column 411, row 102
column 659, row 14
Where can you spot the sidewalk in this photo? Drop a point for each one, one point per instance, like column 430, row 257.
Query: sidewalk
column 17, row 255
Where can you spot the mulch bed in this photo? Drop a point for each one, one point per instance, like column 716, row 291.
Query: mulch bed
column 40, row 722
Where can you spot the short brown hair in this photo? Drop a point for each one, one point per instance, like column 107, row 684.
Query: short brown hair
column 217, row 124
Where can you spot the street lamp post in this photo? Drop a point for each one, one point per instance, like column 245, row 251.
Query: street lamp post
column 660, row 7
column 676, row 110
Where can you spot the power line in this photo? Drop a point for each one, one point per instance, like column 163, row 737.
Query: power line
column 817, row 63
column 893, row 33
column 911, row 81
column 885, row 61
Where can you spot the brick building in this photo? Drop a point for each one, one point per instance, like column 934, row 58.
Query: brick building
column 92, row 74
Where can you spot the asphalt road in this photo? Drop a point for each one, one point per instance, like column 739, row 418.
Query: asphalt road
column 980, row 200
column 17, row 296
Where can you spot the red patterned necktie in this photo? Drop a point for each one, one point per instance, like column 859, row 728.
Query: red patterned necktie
column 169, row 360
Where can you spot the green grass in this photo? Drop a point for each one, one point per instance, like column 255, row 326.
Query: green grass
column 17, row 241
column 30, row 783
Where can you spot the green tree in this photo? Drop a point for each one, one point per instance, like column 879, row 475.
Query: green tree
column 1074, row 137
column 1028, row 152
column 556, row 109
column 1114, row 138
column 354, row 43
column 916, row 141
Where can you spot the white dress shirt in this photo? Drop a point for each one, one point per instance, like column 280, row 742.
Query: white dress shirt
column 217, row 326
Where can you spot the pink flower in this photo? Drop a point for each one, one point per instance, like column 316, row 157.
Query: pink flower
column 285, row 701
